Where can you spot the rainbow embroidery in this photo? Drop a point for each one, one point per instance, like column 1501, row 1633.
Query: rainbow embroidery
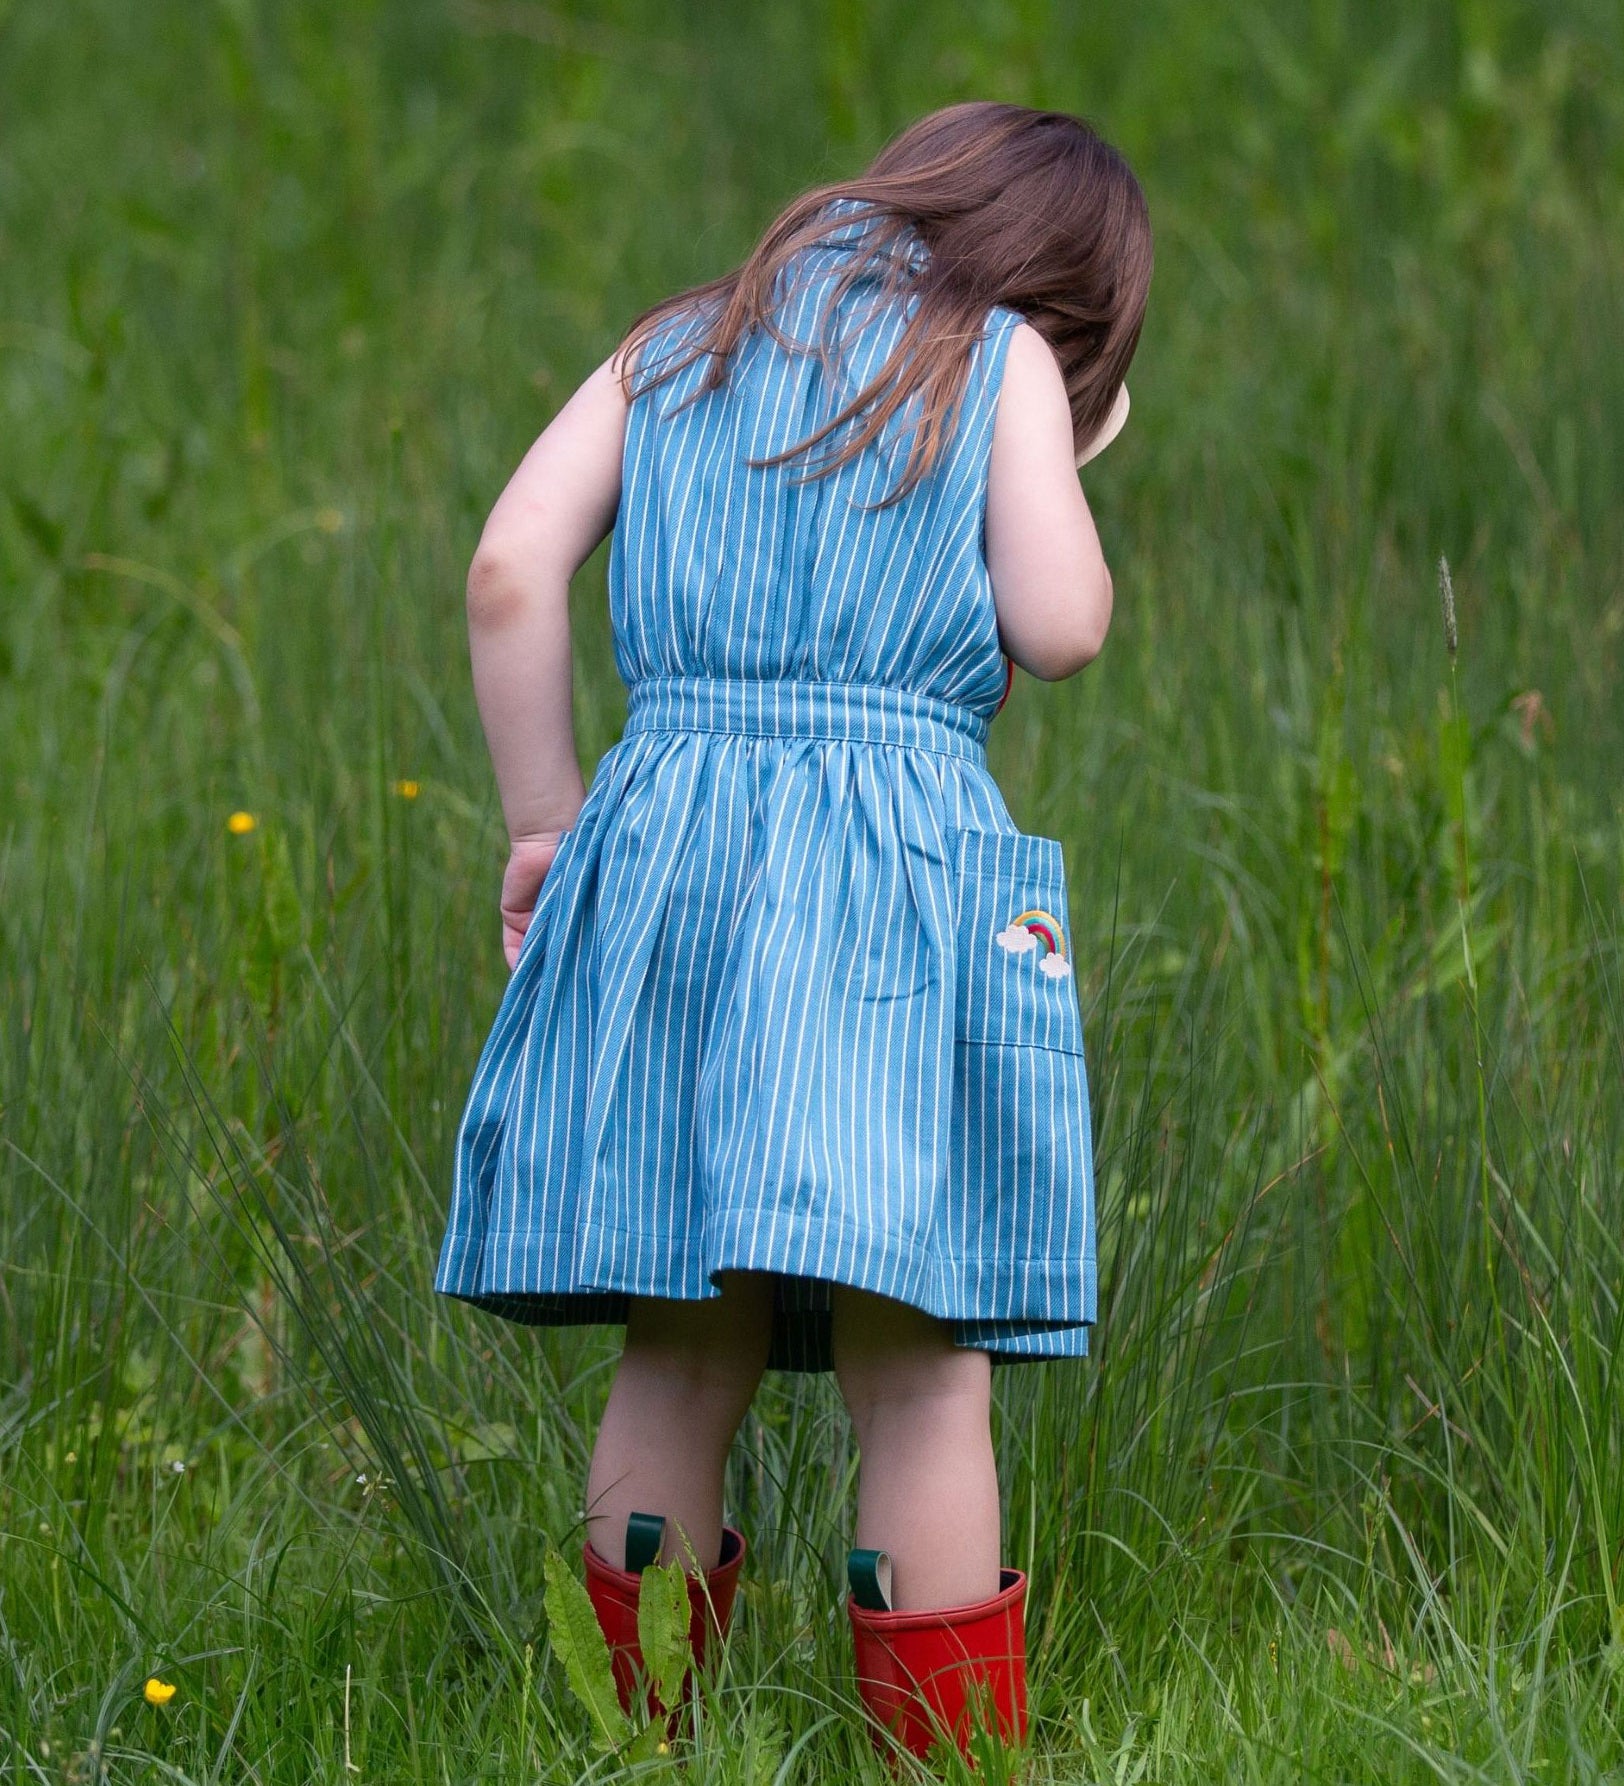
column 1033, row 929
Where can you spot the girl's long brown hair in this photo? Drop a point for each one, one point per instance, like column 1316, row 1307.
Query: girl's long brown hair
column 1024, row 208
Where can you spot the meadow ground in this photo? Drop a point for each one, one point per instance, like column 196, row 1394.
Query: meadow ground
column 284, row 294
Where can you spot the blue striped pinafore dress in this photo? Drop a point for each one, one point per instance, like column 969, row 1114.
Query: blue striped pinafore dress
column 797, row 995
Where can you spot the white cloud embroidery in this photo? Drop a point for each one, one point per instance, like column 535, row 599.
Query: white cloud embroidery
column 1016, row 938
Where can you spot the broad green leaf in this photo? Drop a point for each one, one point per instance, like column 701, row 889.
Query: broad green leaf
column 650, row 1742
column 662, row 1628
column 578, row 1642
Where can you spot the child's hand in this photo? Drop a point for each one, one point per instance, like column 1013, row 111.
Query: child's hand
column 528, row 862
column 1109, row 429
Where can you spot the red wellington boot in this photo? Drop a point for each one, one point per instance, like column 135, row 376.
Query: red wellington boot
column 613, row 1593
column 920, row 1674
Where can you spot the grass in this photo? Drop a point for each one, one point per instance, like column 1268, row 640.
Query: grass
column 284, row 294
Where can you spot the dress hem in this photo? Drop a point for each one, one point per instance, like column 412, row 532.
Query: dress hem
column 993, row 1290
column 801, row 1338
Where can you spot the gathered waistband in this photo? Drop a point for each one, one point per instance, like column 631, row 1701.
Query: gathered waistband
column 867, row 712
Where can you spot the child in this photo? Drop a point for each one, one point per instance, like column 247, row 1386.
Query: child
column 789, row 1071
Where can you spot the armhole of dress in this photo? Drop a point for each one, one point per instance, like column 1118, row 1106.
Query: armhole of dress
column 669, row 336
column 996, row 337
column 642, row 411
column 631, row 446
column 645, row 408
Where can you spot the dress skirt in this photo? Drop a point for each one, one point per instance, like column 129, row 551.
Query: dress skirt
column 797, row 997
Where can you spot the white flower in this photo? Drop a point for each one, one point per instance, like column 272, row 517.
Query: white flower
column 1016, row 938
column 1055, row 966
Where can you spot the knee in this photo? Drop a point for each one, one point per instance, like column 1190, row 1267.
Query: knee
column 891, row 1382
column 702, row 1380
column 698, row 1359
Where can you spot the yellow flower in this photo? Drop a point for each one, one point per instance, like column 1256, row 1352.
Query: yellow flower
column 158, row 1692
column 408, row 790
column 241, row 823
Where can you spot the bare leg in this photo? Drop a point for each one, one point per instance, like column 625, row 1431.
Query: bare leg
column 685, row 1379
column 921, row 1408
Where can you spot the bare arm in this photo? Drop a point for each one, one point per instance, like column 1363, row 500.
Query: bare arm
column 1051, row 584
column 556, row 510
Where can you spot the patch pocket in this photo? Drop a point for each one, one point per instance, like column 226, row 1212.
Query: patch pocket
column 1017, row 983
column 1020, row 1167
